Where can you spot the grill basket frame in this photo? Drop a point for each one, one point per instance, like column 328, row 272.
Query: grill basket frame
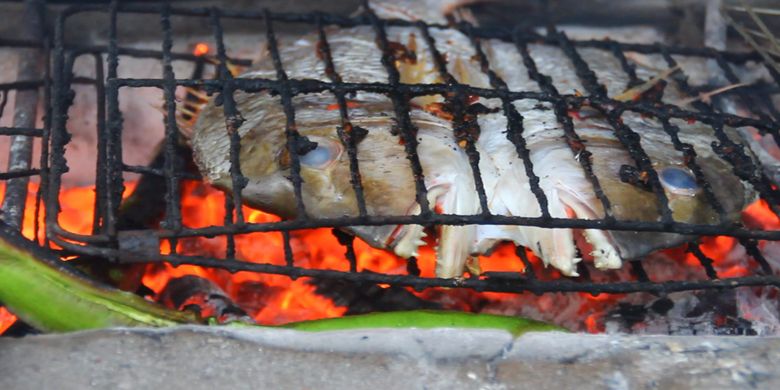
column 109, row 242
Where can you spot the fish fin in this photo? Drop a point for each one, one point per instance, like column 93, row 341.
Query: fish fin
column 488, row 236
column 410, row 242
column 559, row 248
column 189, row 107
column 472, row 265
column 605, row 255
column 455, row 242
column 553, row 246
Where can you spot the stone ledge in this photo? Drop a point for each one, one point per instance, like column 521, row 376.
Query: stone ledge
column 201, row 357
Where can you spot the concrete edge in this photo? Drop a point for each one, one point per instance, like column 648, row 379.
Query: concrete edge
column 441, row 343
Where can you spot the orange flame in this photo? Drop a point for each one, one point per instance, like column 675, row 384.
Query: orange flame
column 77, row 205
column 200, row 49
column 275, row 299
column 6, row 319
column 592, row 324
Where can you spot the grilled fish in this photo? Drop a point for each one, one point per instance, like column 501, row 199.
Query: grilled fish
column 386, row 176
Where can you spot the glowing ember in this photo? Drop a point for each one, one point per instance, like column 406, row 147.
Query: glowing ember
column 275, row 299
column 6, row 319
column 200, row 49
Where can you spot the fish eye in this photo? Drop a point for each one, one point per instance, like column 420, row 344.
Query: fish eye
column 679, row 181
column 321, row 156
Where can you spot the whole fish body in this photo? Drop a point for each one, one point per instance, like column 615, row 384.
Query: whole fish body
column 386, row 176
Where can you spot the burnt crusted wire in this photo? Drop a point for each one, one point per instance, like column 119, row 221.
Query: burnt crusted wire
column 402, row 109
column 5, row 89
column 561, row 107
column 172, row 197
column 115, row 183
column 400, row 94
column 348, row 133
column 464, row 130
column 624, row 134
column 293, row 138
column 234, row 214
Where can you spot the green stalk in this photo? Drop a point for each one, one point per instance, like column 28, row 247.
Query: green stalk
column 425, row 319
column 51, row 296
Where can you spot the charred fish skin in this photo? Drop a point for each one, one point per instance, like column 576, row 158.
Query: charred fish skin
column 386, row 176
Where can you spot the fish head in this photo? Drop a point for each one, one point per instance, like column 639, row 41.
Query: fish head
column 318, row 141
column 687, row 199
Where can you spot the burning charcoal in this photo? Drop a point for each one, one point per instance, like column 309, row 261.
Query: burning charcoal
column 735, row 327
column 412, row 268
column 362, row 298
column 662, row 306
column 254, row 296
column 145, row 206
column 722, row 302
column 626, row 317
column 631, row 314
column 707, row 312
column 203, row 297
column 761, row 306
column 126, row 277
column 721, row 306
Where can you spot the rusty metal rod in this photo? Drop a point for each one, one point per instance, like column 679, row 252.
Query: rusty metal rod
column 25, row 114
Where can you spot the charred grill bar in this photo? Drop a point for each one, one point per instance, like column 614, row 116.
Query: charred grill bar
column 32, row 75
column 107, row 241
column 26, row 104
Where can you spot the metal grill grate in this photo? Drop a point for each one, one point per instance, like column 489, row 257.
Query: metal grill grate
column 111, row 242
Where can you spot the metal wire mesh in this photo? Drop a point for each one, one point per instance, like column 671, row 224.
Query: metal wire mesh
column 110, row 242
